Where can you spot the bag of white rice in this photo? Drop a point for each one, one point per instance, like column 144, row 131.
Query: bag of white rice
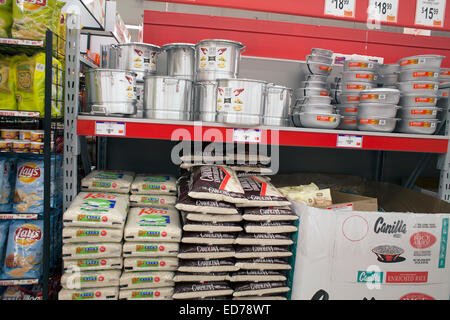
column 269, row 227
column 263, row 264
column 91, row 250
column 212, row 227
column 150, row 279
column 150, row 249
column 259, row 289
column 91, row 235
column 263, row 239
column 269, row 214
column 201, row 277
column 246, row 169
column 154, row 184
column 150, row 264
column 206, row 252
column 154, row 200
column 92, row 264
column 213, row 265
column 265, row 297
column 209, row 238
column 94, row 209
column 90, row 279
column 213, row 218
column 106, row 293
column 257, row 276
column 153, row 224
column 248, row 252
column 201, row 290
column 259, row 192
column 164, row 293
column 108, row 181
column 216, row 183
column 186, row 203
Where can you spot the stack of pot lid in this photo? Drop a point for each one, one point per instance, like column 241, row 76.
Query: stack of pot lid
column 358, row 75
column 277, row 105
column 419, row 83
column 377, row 109
column 388, row 75
column 313, row 108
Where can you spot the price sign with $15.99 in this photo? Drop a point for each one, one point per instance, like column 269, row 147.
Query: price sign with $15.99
column 430, row 13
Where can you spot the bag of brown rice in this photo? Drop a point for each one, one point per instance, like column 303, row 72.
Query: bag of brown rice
column 106, row 293
column 257, row 276
column 186, row 203
column 150, row 249
column 201, row 277
column 250, row 252
column 201, row 290
column 92, row 264
column 90, row 279
column 215, row 238
column 150, row 279
column 150, row 264
column 269, row 227
column 164, row 293
column 206, row 252
column 95, row 209
column 91, row 235
column 269, row 214
column 212, row 227
column 91, row 250
column 259, row 192
column 153, row 224
column 108, row 181
column 259, row 289
column 263, row 264
column 154, row 184
column 218, row 183
column 154, row 200
column 203, row 266
column 263, row 239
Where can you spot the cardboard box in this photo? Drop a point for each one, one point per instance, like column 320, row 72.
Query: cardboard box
column 398, row 254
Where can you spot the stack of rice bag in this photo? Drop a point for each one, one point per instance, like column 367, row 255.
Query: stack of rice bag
column 152, row 236
column 92, row 237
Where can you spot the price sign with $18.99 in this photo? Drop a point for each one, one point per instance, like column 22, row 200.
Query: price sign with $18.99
column 340, row 8
column 383, row 10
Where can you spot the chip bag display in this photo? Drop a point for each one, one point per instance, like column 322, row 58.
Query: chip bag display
column 31, row 18
column 24, row 249
column 7, row 83
column 5, row 18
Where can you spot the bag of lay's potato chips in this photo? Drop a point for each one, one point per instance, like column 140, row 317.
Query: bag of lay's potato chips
column 5, row 18
column 24, row 249
column 4, row 226
column 31, row 18
column 7, row 83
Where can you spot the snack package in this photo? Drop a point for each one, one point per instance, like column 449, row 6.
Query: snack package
column 5, row 18
column 7, row 82
column 8, row 182
column 32, row 18
column 4, row 226
column 24, row 249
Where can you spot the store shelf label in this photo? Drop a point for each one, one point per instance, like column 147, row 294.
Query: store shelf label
column 384, row 10
column 349, row 141
column 103, row 128
column 247, row 135
column 340, row 8
column 430, row 13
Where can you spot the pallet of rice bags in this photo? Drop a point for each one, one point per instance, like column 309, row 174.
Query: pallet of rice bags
column 91, row 235
column 116, row 181
column 152, row 200
column 106, row 293
column 95, row 209
column 153, row 224
column 146, row 279
column 259, row 192
column 150, row 249
column 154, row 184
column 91, row 279
column 150, row 264
column 164, row 293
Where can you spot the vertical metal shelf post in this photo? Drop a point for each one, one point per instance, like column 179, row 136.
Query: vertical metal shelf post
column 47, row 160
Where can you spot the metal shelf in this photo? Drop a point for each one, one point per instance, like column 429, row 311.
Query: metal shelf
column 285, row 136
column 88, row 63
column 18, row 282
